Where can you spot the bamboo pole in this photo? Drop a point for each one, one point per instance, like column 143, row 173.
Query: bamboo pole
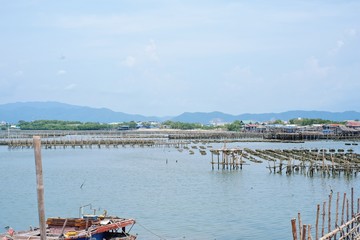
column 343, row 209
column 293, row 228
column 329, row 213
column 339, row 229
column 309, row 232
column 337, row 211
column 303, row 234
column 317, row 222
column 347, row 214
column 323, row 220
column 300, row 225
column 352, row 202
column 40, row 186
column 212, row 161
column 347, row 210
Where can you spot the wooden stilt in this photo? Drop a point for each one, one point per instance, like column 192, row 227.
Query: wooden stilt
column 317, row 222
column 337, row 211
column 303, row 234
column 309, row 232
column 323, row 220
column 293, row 227
column 40, row 186
column 343, row 210
column 329, row 213
column 300, row 225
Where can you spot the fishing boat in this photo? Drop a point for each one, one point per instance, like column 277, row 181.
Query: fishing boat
column 87, row 227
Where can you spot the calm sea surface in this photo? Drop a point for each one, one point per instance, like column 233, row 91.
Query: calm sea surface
column 171, row 194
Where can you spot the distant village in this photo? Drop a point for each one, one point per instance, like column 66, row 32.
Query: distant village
column 282, row 131
column 333, row 128
column 348, row 129
column 272, row 129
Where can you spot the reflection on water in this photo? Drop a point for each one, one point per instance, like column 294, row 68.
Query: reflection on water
column 172, row 194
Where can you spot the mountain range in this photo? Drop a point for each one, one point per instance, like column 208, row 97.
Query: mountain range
column 30, row 111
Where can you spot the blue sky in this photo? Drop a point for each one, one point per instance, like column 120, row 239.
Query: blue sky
column 166, row 57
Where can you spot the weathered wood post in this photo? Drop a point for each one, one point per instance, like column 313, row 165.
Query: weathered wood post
column 212, row 160
column 343, row 210
column 329, row 213
column 317, row 222
column 303, row 234
column 347, row 214
column 40, row 186
column 323, row 220
column 352, row 205
column 309, row 232
column 300, row 225
column 293, row 227
column 337, row 212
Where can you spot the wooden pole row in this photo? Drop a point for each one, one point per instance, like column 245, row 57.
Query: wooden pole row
column 349, row 227
column 307, row 161
column 230, row 158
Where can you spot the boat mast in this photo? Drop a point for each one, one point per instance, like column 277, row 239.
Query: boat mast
column 40, row 186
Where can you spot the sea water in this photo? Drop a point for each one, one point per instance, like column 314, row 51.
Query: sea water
column 171, row 194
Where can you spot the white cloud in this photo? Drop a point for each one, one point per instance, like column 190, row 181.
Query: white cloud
column 351, row 32
column 299, row 88
column 237, row 71
column 151, row 51
column 70, row 86
column 339, row 45
column 130, row 61
column 312, row 73
column 61, row 72
column 313, row 68
column 236, row 50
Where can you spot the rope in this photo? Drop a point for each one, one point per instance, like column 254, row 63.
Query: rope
column 150, row 231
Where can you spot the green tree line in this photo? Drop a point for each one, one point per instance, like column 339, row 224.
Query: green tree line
column 77, row 125
column 183, row 125
column 311, row 121
column 234, row 126
column 61, row 125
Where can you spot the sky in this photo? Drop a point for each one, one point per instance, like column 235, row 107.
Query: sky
column 166, row 57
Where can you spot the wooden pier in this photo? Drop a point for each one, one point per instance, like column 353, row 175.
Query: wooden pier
column 307, row 161
column 113, row 138
column 310, row 136
column 230, row 158
column 303, row 161
column 330, row 223
column 85, row 143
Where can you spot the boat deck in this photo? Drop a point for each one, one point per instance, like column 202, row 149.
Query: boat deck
column 79, row 229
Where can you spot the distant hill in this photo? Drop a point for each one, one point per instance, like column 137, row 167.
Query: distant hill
column 201, row 117
column 262, row 117
column 30, row 111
